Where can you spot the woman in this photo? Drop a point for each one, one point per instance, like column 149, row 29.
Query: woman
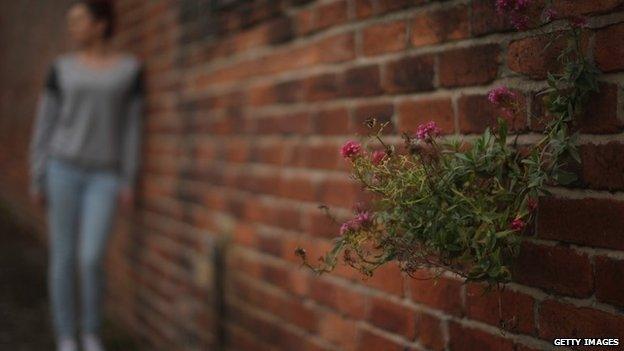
column 83, row 161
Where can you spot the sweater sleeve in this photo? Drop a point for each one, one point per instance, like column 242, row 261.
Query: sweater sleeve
column 131, row 133
column 47, row 112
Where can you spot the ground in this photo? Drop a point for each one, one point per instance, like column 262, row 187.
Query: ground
column 24, row 310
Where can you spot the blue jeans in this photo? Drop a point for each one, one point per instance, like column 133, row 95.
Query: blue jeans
column 81, row 209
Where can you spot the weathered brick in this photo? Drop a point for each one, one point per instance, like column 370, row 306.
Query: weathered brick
column 505, row 308
column 574, row 7
column 536, row 56
column 339, row 298
column 599, row 116
column 362, row 81
column 392, row 317
column 588, row 221
column 555, row 269
column 409, row 74
column 384, row 37
column 609, row 277
column 443, row 294
column 415, row 112
column 463, row 338
column 370, row 341
column 325, row 86
column 331, row 14
column 438, row 26
column 485, row 19
column 332, row 121
column 469, row 66
column 602, row 165
column 558, row 318
column 476, row 113
column 609, row 53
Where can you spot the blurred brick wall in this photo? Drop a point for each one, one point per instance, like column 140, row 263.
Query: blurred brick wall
column 248, row 104
column 31, row 33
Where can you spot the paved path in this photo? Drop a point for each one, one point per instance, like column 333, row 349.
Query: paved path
column 24, row 313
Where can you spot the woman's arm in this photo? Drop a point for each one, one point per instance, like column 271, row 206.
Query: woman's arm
column 131, row 137
column 48, row 107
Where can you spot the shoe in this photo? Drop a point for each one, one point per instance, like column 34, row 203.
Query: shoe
column 91, row 342
column 67, row 344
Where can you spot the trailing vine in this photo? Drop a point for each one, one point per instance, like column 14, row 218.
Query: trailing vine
column 463, row 206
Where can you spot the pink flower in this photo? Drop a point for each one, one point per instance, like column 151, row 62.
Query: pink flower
column 361, row 220
column 517, row 224
column 350, row 149
column 427, row 130
column 502, row 96
column 503, row 6
column 378, row 156
column 520, row 22
column 345, row 227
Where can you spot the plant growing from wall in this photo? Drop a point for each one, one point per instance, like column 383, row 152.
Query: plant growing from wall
column 461, row 206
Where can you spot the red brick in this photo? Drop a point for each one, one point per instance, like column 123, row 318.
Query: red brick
column 331, row 14
column 362, row 81
column 337, row 48
column 555, row 269
column 392, row 317
column 339, row 192
column 443, row 294
column 527, row 55
column 338, row 297
column 384, row 6
column 438, row 26
column 305, row 21
column 429, row 331
column 325, row 86
column 583, row 7
column 588, row 221
column 609, row 52
column 467, row 339
column 603, row 165
column 476, row 113
column 599, row 117
column 375, row 342
column 512, row 308
column 382, row 112
column 469, row 66
column 338, row 330
column 387, row 278
column 409, row 74
column 415, row 112
column 484, row 18
column 557, row 319
column 333, row 121
column 363, row 8
column 384, row 37
column 609, row 277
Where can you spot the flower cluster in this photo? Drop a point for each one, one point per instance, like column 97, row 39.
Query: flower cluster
column 462, row 206
column 427, row 131
column 362, row 219
column 516, row 10
column 350, row 149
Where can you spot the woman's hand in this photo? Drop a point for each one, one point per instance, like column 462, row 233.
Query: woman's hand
column 126, row 197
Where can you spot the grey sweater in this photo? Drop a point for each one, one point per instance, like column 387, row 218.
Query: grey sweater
column 90, row 117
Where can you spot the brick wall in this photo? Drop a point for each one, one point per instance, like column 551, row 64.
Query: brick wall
column 248, row 105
